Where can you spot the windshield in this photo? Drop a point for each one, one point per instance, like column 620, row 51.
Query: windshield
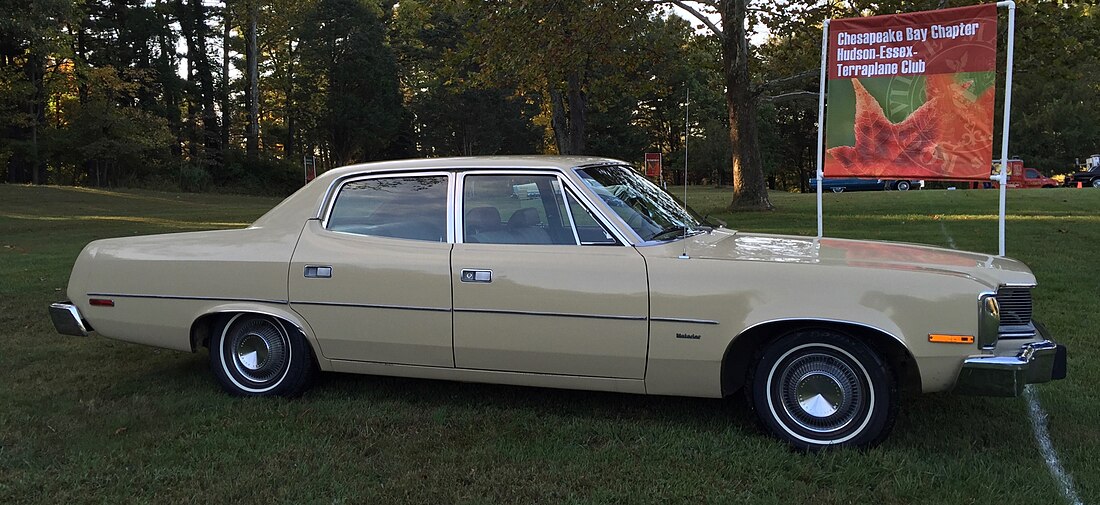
column 649, row 210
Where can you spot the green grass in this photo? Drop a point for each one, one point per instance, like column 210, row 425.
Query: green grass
column 96, row 420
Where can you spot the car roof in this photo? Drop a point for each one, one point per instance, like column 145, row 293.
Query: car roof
column 308, row 201
column 471, row 162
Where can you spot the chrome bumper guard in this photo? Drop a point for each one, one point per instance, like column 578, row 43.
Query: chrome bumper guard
column 1036, row 362
column 67, row 319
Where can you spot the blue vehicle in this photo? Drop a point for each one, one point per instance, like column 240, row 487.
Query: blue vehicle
column 840, row 185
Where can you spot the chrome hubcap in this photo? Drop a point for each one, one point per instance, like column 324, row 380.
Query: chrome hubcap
column 821, row 392
column 253, row 352
column 259, row 351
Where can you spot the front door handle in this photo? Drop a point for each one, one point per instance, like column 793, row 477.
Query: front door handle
column 472, row 275
column 318, row 272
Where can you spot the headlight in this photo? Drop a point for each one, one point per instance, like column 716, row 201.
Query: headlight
column 989, row 321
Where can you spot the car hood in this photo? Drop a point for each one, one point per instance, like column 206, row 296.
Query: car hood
column 725, row 244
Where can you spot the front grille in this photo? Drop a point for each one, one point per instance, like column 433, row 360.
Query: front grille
column 1015, row 303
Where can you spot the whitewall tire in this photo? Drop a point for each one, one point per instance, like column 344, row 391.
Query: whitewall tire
column 820, row 388
column 259, row 355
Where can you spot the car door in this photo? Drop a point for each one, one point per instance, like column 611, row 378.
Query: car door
column 373, row 278
column 540, row 284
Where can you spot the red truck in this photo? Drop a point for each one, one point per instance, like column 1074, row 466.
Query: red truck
column 1019, row 177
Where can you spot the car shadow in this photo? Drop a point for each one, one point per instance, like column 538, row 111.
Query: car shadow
column 944, row 424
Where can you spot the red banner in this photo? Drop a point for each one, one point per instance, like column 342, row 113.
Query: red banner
column 911, row 95
column 653, row 165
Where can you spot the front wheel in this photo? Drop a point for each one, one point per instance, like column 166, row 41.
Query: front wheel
column 903, row 186
column 818, row 388
column 1096, row 182
column 256, row 355
column 838, row 189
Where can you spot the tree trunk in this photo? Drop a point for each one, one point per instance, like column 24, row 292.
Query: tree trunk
column 569, row 120
column 749, row 189
column 196, row 48
column 36, row 70
column 559, row 122
column 289, row 147
column 166, row 69
column 225, row 103
column 253, row 141
column 578, row 113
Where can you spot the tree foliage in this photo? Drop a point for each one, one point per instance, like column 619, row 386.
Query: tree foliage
column 158, row 92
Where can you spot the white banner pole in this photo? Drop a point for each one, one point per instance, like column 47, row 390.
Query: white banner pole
column 1003, row 176
column 821, row 123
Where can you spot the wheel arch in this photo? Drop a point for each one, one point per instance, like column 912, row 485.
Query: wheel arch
column 213, row 318
column 745, row 347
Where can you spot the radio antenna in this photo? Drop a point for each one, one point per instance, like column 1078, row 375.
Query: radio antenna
column 687, row 134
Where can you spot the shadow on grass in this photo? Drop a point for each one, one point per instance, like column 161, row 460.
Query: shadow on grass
column 938, row 424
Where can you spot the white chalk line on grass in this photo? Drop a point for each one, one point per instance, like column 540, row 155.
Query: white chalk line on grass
column 1039, row 428
column 1046, row 447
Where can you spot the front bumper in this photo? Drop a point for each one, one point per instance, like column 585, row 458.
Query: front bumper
column 67, row 319
column 1034, row 363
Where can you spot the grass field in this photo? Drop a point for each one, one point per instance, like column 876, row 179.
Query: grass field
column 96, row 420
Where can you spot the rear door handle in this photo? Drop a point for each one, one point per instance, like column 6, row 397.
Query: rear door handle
column 318, row 272
column 472, row 275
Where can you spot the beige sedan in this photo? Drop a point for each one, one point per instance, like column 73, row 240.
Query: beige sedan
column 567, row 272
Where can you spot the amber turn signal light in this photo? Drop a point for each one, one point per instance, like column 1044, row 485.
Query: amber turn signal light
column 950, row 339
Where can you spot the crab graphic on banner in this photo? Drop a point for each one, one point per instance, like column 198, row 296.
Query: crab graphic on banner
column 912, row 95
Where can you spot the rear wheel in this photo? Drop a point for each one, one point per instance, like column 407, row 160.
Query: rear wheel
column 256, row 355
column 818, row 388
column 838, row 189
column 903, row 185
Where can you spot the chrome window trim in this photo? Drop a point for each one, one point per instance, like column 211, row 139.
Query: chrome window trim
column 568, row 211
column 596, row 207
column 371, row 172
column 459, row 200
column 332, row 196
column 186, row 297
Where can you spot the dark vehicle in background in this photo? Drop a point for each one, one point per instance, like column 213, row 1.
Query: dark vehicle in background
column 1088, row 177
column 840, row 185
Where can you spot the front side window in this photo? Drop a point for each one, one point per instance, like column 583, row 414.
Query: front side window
column 515, row 209
column 649, row 210
column 412, row 208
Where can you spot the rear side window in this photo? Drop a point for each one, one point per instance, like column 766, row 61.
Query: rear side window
column 412, row 208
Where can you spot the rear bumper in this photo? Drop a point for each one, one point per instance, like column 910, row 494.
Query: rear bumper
column 67, row 319
column 1033, row 363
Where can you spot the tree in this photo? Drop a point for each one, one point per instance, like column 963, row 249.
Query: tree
column 30, row 33
column 750, row 192
column 552, row 47
column 344, row 42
